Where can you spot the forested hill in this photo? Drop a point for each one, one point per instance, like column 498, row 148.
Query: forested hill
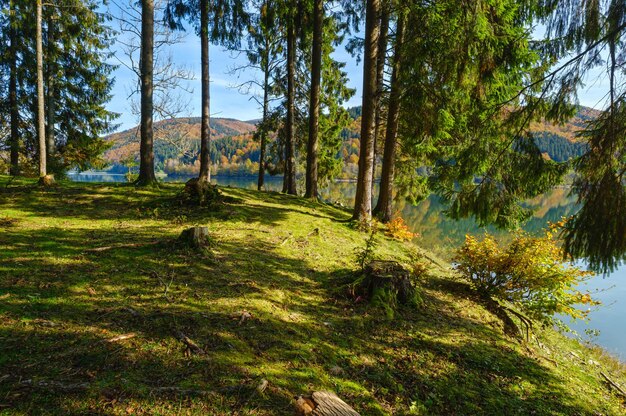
column 234, row 152
column 179, row 130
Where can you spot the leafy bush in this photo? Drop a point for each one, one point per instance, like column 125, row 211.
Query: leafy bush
column 397, row 228
column 529, row 273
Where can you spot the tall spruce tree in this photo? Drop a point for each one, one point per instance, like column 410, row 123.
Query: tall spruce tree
column 146, row 147
column 289, row 181
column 264, row 53
column 363, row 200
column 41, row 126
column 383, row 207
column 76, row 84
column 588, row 35
column 470, row 89
column 220, row 21
column 314, row 107
column 14, row 141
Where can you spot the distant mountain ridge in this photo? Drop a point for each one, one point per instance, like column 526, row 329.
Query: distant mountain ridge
column 234, row 149
column 126, row 143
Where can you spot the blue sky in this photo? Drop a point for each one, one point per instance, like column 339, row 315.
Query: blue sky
column 228, row 102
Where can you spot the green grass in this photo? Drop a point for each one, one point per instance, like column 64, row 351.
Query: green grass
column 60, row 303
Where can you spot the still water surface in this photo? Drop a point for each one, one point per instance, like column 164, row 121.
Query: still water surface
column 442, row 235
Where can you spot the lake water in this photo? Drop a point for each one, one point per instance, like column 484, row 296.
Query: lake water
column 441, row 235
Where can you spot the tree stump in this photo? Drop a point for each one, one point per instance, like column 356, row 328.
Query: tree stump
column 390, row 275
column 196, row 237
column 386, row 284
column 323, row 403
column 47, row 181
column 199, row 192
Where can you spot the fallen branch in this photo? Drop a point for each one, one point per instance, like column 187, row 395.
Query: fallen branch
column 614, row 385
column 532, row 353
column 122, row 337
column 178, row 390
column 130, row 245
column 528, row 324
column 80, row 387
column 191, row 347
column 242, row 316
column 166, row 286
column 285, row 240
column 55, row 385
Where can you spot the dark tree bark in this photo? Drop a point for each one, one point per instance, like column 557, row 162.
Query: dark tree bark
column 266, row 86
column 384, row 205
column 50, row 101
column 41, row 114
column 363, row 200
column 290, row 162
column 146, row 149
column 14, row 138
column 380, row 79
column 314, row 105
column 205, row 134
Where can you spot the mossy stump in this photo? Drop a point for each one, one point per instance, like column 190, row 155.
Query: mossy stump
column 388, row 284
column 195, row 237
column 200, row 192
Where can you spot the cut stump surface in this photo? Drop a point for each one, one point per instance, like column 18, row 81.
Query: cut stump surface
column 323, row 403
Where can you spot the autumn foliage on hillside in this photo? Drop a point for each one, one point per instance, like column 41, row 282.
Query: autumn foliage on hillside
column 234, row 152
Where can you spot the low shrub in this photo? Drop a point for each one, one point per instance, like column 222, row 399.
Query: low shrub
column 529, row 273
column 397, row 228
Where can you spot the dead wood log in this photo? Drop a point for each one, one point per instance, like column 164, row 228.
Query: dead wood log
column 323, row 403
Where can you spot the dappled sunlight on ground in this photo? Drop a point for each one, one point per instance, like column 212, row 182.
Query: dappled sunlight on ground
column 81, row 265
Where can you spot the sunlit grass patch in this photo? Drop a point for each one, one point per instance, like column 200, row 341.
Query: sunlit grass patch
column 81, row 265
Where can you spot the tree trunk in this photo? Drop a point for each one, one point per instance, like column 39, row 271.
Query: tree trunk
column 146, row 149
column 380, row 80
column 385, row 197
column 51, row 109
column 14, row 138
column 266, row 87
column 290, row 162
column 363, row 200
column 205, row 134
column 41, row 114
column 314, row 108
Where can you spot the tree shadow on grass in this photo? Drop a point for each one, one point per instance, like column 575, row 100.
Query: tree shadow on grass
column 60, row 305
column 126, row 202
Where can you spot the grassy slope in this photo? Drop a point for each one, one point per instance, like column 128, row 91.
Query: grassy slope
column 60, row 303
